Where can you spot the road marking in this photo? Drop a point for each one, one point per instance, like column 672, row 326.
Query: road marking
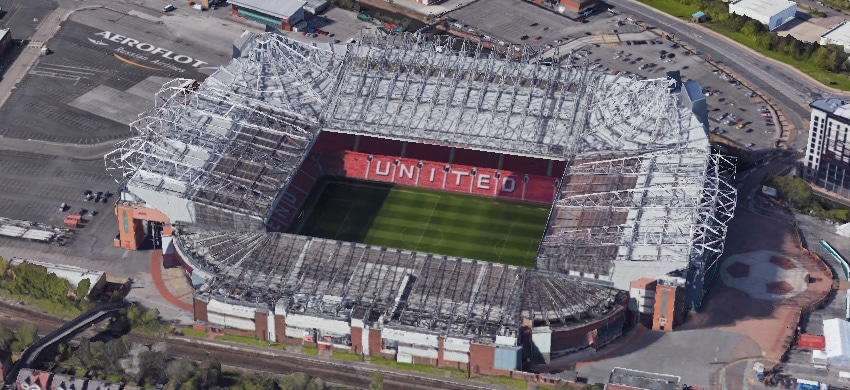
column 65, row 71
column 135, row 64
column 56, row 75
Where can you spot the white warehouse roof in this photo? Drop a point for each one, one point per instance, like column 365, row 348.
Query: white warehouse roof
column 764, row 7
column 836, row 333
column 838, row 35
column 279, row 8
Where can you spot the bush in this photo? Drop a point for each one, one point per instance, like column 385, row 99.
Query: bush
column 144, row 320
column 26, row 336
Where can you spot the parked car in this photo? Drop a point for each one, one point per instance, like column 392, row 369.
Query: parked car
column 750, row 145
column 63, row 206
column 168, row 8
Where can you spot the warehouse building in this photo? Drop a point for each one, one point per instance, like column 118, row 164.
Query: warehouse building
column 827, row 162
column 282, row 14
column 772, row 13
column 838, row 35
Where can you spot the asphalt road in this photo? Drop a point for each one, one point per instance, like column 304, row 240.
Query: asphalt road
column 251, row 358
column 791, row 91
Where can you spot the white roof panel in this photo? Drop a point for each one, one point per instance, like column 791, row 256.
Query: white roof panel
column 839, row 33
column 765, row 7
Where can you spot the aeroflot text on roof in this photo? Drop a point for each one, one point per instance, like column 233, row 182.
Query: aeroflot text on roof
column 182, row 59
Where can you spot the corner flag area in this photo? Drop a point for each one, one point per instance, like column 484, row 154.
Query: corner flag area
column 444, row 223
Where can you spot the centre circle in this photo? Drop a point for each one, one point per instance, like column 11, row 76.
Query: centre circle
column 421, row 236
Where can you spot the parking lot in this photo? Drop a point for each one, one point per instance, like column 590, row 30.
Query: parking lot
column 22, row 17
column 519, row 22
column 104, row 68
column 734, row 112
column 34, row 185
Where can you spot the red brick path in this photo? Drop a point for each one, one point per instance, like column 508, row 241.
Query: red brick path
column 159, row 282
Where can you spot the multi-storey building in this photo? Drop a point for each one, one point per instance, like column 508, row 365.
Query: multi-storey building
column 827, row 162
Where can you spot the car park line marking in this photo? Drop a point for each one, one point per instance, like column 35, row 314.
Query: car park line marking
column 56, row 75
column 72, row 67
column 64, row 70
column 136, row 64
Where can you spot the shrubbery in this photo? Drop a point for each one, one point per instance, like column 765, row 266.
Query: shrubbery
column 33, row 284
column 797, row 194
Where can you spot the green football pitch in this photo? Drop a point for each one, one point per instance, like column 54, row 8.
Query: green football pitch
column 421, row 220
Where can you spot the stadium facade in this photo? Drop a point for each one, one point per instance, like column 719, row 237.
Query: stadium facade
column 225, row 165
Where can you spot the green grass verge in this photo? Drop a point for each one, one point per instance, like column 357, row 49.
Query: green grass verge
column 423, row 368
column 834, row 80
column 506, row 381
column 348, row 357
column 453, row 373
column 673, row 7
column 250, row 341
column 311, row 350
column 449, row 224
column 192, row 332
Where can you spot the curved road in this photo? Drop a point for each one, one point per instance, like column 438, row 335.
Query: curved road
column 791, row 91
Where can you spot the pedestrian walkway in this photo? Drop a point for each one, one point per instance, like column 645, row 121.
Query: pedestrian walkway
column 159, row 281
column 28, row 56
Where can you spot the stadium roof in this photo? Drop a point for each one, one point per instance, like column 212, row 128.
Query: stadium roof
column 642, row 195
column 400, row 288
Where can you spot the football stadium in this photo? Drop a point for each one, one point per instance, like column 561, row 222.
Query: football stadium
column 394, row 198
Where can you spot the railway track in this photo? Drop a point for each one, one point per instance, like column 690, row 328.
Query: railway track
column 252, row 359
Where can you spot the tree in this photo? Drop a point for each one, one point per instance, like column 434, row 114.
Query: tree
column 181, row 373
column 82, row 289
column 7, row 337
column 151, row 367
column 82, row 355
column 210, row 372
column 377, row 381
column 752, row 28
column 33, row 280
column 112, row 352
column 27, row 335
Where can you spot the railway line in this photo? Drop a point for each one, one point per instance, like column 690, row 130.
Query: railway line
column 252, row 358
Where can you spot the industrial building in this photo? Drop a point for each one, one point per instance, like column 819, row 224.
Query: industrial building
column 280, row 14
column 225, row 164
column 838, row 35
column 827, row 162
column 576, row 6
column 772, row 13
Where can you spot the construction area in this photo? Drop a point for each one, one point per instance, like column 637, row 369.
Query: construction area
column 641, row 196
